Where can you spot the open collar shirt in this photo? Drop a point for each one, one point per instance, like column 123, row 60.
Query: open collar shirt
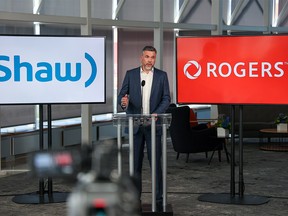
column 146, row 89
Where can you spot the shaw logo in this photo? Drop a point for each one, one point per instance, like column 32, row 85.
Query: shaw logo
column 239, row 69
column 45, row 71
column 187, row 68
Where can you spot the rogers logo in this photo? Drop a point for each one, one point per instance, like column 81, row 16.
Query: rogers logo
column 239, row 69
column 187, row 66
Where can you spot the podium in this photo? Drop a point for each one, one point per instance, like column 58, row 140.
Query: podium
column 136, row 120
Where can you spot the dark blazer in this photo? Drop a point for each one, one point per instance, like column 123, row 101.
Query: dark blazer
column 160, row 92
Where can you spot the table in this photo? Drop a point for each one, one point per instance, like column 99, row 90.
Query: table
column 280, row 145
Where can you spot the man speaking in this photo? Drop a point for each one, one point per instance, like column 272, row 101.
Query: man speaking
column 145, row 90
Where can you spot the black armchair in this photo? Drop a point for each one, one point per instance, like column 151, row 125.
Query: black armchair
column 186, row 139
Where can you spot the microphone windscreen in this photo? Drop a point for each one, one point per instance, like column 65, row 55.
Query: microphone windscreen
column 143, row 83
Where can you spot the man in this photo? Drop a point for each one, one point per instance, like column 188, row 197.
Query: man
column 145, row 90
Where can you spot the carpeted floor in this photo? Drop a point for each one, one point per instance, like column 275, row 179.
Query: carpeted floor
column 265, row 175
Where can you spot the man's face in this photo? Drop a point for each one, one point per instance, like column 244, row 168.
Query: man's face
column 148, row 59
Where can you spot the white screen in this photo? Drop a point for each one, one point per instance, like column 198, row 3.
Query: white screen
column 37, row 69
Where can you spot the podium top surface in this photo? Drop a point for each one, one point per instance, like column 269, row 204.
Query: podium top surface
column 142, row 119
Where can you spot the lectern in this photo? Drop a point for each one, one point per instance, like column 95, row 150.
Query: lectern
column 136, row 120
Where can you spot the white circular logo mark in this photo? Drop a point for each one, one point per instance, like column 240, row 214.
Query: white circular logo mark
column 186, row 72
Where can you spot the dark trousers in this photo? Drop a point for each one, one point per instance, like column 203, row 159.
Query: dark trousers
column 143, row 136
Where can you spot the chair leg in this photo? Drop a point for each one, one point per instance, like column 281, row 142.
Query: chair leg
column 187, row 157
column 226, row 152
column 177, row 157
column 211, row 157
column 219, row 155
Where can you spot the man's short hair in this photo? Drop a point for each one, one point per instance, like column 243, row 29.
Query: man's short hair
column 149, row 48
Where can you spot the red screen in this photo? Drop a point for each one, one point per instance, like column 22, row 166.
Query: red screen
column 232, row 70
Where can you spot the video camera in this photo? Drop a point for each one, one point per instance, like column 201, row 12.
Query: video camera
column 99, row 190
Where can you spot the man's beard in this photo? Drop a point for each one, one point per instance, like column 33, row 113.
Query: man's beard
column 148, row 67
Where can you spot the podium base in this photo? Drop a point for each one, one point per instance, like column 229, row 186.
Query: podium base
column 147, row 210
column 35, row 198
column 226, row 198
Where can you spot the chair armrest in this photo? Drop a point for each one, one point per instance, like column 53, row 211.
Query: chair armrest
column 208, row 122
column 203, row 130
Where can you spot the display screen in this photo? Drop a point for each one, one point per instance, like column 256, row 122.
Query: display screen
column 41, row 69
column 232, row 69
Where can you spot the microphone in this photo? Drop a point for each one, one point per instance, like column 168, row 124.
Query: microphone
column 142, row 85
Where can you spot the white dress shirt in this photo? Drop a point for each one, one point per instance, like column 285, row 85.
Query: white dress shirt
column 146, row 90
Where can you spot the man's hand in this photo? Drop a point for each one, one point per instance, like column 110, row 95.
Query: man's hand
column 124, row 101
column 155, row 115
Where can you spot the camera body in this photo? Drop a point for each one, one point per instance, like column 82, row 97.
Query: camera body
column 104, row 197
column 99, row 190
